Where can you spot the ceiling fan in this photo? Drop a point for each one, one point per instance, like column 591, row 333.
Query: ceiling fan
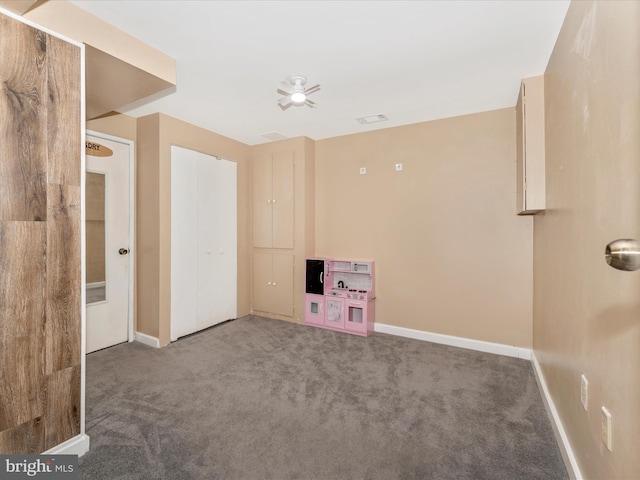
column 295, row 93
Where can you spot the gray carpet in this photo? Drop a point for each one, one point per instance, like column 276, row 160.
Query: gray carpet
column 263, row 399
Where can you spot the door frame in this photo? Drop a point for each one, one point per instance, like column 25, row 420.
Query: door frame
column 132, row 223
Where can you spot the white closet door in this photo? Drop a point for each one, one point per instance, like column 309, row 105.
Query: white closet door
column 227, row 221
column 184, row 242
column 203, row 241
column 208, row 230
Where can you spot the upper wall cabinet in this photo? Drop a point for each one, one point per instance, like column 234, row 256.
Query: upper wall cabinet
column 273, row 200
column 530, row 147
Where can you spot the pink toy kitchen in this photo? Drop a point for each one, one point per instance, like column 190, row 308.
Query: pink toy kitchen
column 340, row 295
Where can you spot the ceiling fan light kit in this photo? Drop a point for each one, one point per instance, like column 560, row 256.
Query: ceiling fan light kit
column 295, row 93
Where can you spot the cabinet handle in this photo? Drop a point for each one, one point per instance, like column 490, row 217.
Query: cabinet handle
column 268, row 283
column 274, row 284
column 268, row 201
column 273, row 201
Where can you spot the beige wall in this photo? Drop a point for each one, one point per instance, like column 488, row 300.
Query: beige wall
column 156, row 133
column 586, row 314
column 451, row 255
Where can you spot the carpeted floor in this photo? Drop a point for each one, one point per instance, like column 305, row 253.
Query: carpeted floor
column 263, row 399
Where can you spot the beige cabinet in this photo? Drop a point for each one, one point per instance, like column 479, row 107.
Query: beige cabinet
column 283, row 226
column 273, row 200
column 273, row 283
column 530, row 156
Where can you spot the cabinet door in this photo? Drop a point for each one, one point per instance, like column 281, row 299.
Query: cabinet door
column 314, row 309
column 262, row 197
column 355, row 318
column 273, row 200
column 334, row 308
column 282, row 201
column 273, row 283
column 262, row 289
column 282, row 284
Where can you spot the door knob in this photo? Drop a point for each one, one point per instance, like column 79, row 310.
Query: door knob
column 123, row 251
column 623, row 254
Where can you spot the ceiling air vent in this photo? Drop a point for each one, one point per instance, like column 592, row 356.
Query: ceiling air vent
column 381, row 117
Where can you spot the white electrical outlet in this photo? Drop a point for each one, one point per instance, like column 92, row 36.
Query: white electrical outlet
column 398, row 167
column 363, row 170
column 606, row 428
column 584, row 391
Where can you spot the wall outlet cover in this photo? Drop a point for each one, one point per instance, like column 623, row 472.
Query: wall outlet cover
column 398, row 167
column 363, row 170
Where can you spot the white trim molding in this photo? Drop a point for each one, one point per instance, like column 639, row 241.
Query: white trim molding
column 147, row 340
column 78, row 445
column 561, row 436
column 479, row 345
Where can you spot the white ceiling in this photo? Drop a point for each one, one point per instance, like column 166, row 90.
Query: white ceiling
column 410, row 60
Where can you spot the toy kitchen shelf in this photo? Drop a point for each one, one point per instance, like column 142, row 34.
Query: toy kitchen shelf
column 340, row 295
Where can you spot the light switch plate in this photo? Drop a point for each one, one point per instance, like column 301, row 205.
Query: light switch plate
column 584, row 391
column 398, row 167
column 363, row 170
column 606, row 428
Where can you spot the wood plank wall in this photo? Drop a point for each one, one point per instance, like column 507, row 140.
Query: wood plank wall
column 40, row 239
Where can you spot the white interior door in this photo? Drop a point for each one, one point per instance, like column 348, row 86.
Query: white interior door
column 108, row 239
column 203, row 241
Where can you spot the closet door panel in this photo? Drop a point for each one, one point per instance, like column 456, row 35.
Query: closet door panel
column 283, row 200
column 226, row 296
column 207, row 242
column 184, row 242
column 262, row 197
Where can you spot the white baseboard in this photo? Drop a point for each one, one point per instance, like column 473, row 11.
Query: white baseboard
column 147, row 340
column 78, row 445
column 561, row 436
column 479, row 345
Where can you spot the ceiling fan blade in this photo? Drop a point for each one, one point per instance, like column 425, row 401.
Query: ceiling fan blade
column 285, row 87
column 284, row 103
column 315, row 88
column 310, row 103
column 284, row 92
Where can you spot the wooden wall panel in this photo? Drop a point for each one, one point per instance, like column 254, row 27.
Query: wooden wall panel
column 27, row 438
column 63, row 109
column 22, row 317
column 40, row 239
column 23, row 149
column 62, row 419
column 63, row 278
